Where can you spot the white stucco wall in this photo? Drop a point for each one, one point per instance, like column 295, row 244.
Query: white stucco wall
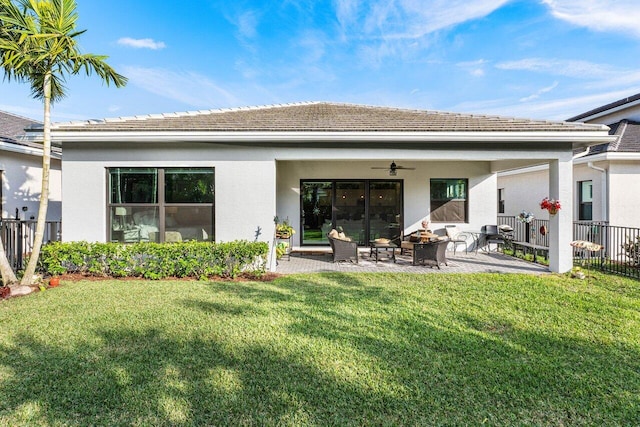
column 244, row 187
column 624, row 188
column 524, row 192
column 581, row 172
column 22, row 185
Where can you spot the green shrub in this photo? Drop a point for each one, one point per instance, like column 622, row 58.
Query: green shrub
column 154, row 260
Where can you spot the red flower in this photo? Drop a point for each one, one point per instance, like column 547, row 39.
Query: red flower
column 551, row 205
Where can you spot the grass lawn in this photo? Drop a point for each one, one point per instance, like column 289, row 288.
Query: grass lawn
column 325, row 349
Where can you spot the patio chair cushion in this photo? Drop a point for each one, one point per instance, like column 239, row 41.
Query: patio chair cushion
column 339, row 235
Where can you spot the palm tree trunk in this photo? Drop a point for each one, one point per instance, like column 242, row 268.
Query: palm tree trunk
column 8, row 276
column 27, row 278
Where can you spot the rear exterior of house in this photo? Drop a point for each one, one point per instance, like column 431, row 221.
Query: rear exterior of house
column 223, row 175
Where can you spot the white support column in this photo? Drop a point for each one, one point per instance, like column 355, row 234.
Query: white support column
column 561, row 224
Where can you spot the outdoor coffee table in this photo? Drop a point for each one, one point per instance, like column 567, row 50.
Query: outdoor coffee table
column 375, row 247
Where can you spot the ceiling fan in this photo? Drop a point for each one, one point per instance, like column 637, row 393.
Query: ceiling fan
column 393, row 168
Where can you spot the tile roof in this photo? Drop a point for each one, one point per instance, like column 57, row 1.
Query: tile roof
column 12, row 127
column 321, row 117
column 628, row 141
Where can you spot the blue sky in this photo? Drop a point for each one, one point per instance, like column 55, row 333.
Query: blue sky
column 544, row 59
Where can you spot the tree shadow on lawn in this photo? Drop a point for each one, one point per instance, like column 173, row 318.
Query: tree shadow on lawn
column 146, row 378
column 334, row 365
column 467, row 368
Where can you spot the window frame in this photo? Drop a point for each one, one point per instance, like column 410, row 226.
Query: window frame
column 501, row 200
column 161, row 205
column 433, row 200
column 582, row 203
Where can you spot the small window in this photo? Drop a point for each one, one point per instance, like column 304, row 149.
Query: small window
column 501, row 200
column 585, row 200
column 449, row 200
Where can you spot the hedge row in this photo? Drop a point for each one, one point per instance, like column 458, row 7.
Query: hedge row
column 154, row 260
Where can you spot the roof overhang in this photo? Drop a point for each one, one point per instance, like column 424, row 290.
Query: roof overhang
column 578, row 139
column 613, row 156
column 27, row 150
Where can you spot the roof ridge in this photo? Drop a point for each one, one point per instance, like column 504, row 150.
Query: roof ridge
column 18, row 116
column 615, row 145
column 186, row 113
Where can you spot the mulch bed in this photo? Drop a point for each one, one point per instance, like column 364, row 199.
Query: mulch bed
column 266, row 277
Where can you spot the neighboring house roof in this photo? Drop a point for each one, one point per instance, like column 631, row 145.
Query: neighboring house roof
column 626, row 130
column 12, row 127
column 607, row 107
column 322, row 117
column 13, row 132
column 628, row 141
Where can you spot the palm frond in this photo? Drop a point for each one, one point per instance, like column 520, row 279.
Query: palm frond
column 39, row 38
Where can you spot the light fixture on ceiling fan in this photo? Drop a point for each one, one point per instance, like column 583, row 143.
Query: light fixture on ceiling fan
column 393, row 168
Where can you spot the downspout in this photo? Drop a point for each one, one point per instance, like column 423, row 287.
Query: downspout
column 605, row 204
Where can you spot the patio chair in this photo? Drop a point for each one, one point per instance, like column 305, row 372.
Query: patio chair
column 343, row 250
column 491, row 234
column 435, row 253
column 457, row 237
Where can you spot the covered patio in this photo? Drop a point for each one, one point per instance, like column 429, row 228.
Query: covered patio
column 493, row 262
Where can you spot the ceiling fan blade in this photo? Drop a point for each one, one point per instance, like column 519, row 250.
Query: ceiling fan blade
column 404, row 167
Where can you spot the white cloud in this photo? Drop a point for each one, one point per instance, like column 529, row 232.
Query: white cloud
column 556, row 109
column 403, row 28
column 539, row 93
column 561, row 67
column 190, row 88
column 247, row 24
column 141, row 43
column 474, row 68
column 599, row 15
column 409, row 19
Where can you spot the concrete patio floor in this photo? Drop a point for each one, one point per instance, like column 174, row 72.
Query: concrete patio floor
column 482, row 262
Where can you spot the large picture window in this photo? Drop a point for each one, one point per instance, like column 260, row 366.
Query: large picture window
column 160, row 204
column 449, row 200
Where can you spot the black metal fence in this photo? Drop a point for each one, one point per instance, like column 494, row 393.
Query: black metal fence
column 534, row 232
column 621, row 252
column 17, row 237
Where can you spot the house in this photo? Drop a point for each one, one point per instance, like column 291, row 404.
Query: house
column 222, row 175
column 606, row 177
column 21, row 171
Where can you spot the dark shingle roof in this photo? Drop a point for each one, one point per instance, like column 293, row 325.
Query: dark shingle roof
column 321, row 117
column 628, row 141
column 606, row 107
column 12, row 127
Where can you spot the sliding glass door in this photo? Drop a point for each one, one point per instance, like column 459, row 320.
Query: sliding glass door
column 316, row 203
column 365, row 209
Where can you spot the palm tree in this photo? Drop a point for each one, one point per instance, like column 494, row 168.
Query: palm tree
column 38, row 45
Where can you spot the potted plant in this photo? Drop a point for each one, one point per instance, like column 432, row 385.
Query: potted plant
column 552, row 205
column 281, row 249
column 284, row 230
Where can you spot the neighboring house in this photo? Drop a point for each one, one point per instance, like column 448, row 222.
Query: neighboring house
column 21, row 171
column 606, row 177
column 222, row 175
